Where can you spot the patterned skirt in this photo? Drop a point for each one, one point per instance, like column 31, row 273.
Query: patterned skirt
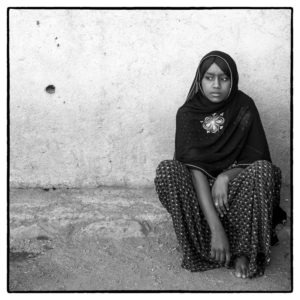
column 249, row 223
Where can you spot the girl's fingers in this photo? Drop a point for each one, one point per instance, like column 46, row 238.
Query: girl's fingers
column 227, row 254
column 226, row 204
column 217, row 257
column 212, row 253
column 221, row 210
column 222, row 207
column 217, row 205
column 221, row 204
column 222, row 257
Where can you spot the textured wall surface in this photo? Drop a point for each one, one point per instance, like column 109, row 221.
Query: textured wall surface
column 119, row 78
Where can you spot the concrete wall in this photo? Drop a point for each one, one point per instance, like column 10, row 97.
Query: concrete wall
column 119, row 79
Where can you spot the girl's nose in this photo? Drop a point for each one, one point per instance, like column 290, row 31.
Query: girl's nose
column 216, row 83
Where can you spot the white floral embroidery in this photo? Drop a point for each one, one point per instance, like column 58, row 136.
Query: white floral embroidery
column 213, row 123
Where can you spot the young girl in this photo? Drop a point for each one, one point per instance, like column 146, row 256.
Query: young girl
column 221, row 189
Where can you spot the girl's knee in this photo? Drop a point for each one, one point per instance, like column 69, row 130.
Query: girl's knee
column 263, row 165
column 172, row 169
column 169, row 164
column 165, row 164
column 266, row 171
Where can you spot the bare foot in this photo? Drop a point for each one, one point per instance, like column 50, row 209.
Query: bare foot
column 241, row 267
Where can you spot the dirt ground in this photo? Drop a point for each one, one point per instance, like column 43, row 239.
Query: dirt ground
column 110, row 239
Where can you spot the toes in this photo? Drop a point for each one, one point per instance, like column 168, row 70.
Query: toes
column 245, row 272
column 241, row 268
column 260, row 273
column 238, row 273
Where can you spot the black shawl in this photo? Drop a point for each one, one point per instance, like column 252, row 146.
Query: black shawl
column 211, row 136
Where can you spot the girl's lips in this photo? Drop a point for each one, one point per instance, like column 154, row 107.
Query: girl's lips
column 215, row 94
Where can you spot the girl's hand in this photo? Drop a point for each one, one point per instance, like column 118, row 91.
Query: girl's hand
column 219, row 194
column 220, row 250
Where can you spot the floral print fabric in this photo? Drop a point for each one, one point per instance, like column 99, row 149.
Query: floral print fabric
column 248, row 223
column 213, row 123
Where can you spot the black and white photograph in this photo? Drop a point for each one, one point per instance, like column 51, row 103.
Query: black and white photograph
column 149, row 148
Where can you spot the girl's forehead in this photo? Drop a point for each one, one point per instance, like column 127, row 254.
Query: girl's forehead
column 214, row 68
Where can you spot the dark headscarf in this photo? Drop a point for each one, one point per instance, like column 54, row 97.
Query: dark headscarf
column 215, row 136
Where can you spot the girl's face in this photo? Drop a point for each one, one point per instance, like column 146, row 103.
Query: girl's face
column 215, row 84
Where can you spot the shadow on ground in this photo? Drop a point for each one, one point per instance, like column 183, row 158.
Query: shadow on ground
column 114, row 239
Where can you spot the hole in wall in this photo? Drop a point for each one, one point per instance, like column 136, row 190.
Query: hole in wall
column 21, row 256
column 37, row 22
column 42, row 238
column 50, row 89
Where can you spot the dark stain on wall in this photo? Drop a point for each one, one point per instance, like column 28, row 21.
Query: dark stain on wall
column 42, row 238
column 38, row 23
column 21, row 255
column 58, row 44
column 50, row 89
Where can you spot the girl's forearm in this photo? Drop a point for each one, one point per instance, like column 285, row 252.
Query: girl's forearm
column 205, row 200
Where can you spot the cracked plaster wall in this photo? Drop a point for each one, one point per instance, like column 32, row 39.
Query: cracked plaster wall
column 118, row 79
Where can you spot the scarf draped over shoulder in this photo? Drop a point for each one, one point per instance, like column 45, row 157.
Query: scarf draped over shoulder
column 213, row 137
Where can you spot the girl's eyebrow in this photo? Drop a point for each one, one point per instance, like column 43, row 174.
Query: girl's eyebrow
column 208, row 73
column 215, row 74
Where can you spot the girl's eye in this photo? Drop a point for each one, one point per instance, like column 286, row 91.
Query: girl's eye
column 209, row 77
column 224, row 78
